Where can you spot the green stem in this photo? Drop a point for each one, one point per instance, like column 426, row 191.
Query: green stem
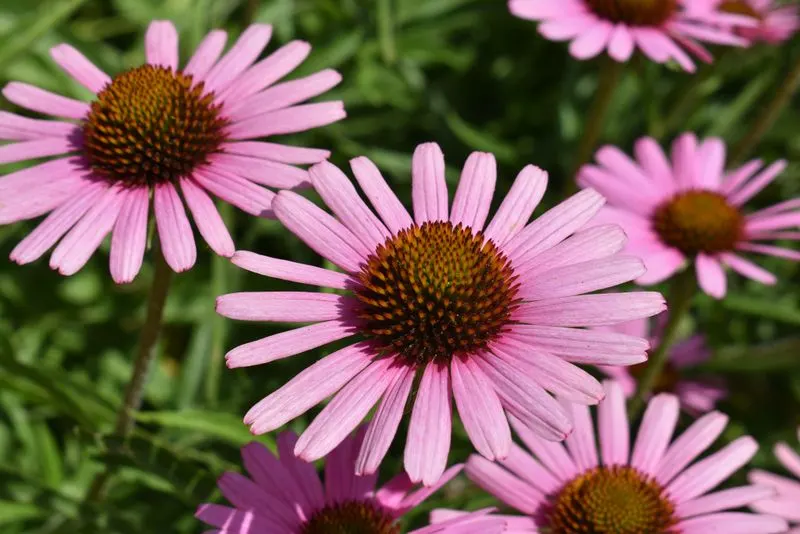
column 679, row 300
column 769, row 114
column 610, row 74
column 145, row 356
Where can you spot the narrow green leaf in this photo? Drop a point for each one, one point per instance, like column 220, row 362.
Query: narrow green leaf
column 769, row 309
column 15, row 512
column 777, row 356
column 224, row 426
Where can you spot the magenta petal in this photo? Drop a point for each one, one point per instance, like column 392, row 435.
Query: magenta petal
column 291, row 271
column 81, row 69
column 580, row 345
column 689, row 445
column 39, row 148
column 710, row 275
column 17, row 128
column 655, row 432
column 288, row 120
column 263, row 172
column 733, row 523
column 174, row 230
column 508, row 488
column 475, row 189
column 613, row 426
column 161, row 44
column 428, row 187
column 428, row 443
column 242, row 193
column 581, row 443
column 727, row 499
column 749, row 269
column 129, row 238
column 582, row 278
column 266, row 72
column 292, row 155
column 527, row 468
column 380, row 195
column 241, row 55
column 206, row 54
column 45, row 102
column 591, row 310
column 207, row 219
column 282, row 306
column 274, row 477
column 518, row 205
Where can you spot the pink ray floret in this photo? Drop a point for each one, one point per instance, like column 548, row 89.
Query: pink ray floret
column 531, row 479
column 83, row 206
column 786, row 502
column 696, row 395
column 553, row 263
column 284, row 495
column 662, row 30
column 776, row 22
column 638, row 191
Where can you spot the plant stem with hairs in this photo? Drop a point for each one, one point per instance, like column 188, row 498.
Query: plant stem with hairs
column 768, row 115
column 681, row 291
column 145, row 356
column 610, row 74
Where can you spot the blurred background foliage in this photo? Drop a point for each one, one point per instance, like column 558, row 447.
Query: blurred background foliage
column 462, row 72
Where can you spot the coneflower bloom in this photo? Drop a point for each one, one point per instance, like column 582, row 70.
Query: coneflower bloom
column 696, row 395
column 286, row 496
column 486, row 314
column 162, row 131
column 691, row 209
column 786, row 502
column 775, row 22
column 661, row 29
column 612, row 489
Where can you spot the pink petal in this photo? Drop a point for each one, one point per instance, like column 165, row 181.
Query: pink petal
column 275, row 478
column 282, row 306
column 773, row 222
column 621, row 44
column 81, row 69
column 711, row 164
column 58, row 223
column 581, row 443
column 757, row 183
column 291, row 271
column 342, row 198
column 288, row 120
column 241, row 55
column 518, row 205
column 161, row 44
column 749, row 269
column 733, row 523
column 288, row 343
column 39, row 148
column 508, row 488
column 543, row 9
column 129, row 239
column 323, row 233
column 308, row 388
column 656, row 430
column 524, row 466
column 655, row 164
column 728, row 499
column 417, row 497
column 347, row 409
column 710, row 276
column 480, row 409
column 174, row 230
column 581, row 278
column 341, row 483
column 428, row 187
column 380, row 195
column 612, row 426
column 82, row 241
column 735, row 179
column 684, row 157
column 428, row 442
column 661, row 264
column 207, row 219
column 788, row 458
column 245, row 494
column 689, row 445
column 17, row 128
column 293, row 155
column 475, row 189
column 45, row 102
column 304, row 472
column 269, row 173
column 383, row 427
column 236, row 190
column 551, row 454
column 566, row 28
column 233, row 521
column 592, row 41
column 591, row 310
column 206, row 54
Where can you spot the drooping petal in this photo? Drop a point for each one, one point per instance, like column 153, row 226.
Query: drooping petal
column 174, row 230
column 129, row 238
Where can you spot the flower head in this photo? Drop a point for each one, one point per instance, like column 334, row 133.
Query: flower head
column 285, row 495
column 611, row 489
column 786, row 502
column 661, row 29
column 696, row 395
column 162, row 131
column 775, row 22
column 689, row 208
column 485, row 313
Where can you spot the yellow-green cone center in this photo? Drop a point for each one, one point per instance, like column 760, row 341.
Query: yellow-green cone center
column 351, row 517
column 151, row 125
column 611, row 500
column 635, row 12
column 739, row 7
column 436, row 290
column 699, row 221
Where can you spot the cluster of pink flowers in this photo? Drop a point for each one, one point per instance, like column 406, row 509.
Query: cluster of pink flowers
column 446, row 302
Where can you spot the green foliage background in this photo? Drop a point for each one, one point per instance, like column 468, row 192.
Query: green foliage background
column 464, row 73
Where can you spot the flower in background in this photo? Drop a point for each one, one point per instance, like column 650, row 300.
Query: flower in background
column 653, row 488
column 776, row 22
column 485, row 314
column 787, row 501
column 158, row 129
column 695, row 395
column 691, row 209
column 661, row 29
column 285, row 496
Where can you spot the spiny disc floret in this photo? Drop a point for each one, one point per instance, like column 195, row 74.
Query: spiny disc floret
column 635, row 12
column 611, row 500
column 351, row 517
column 436, row 290
column 151, row 125
column 699, row 221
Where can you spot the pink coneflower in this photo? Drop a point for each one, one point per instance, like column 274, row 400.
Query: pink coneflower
column 775, row 22
column 697, row 396
column 691, row 209
column 285, row 496
column 787, row 501
column 483, row 313
column 162, row 131
column 611, row 489
column 661, row 29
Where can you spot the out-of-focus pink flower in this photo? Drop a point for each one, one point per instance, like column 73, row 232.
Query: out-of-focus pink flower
column 482, row 314
column 690, row 208
column 284, row 495
column 661, row 29
column 786, row 502
column 655, row 486
column 776, row 22
column 158, row 131
column 698, row 395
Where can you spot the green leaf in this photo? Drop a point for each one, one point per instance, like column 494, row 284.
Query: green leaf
column 224, row 426
column 777, row 356
column 784, row 312
column 15, row 512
